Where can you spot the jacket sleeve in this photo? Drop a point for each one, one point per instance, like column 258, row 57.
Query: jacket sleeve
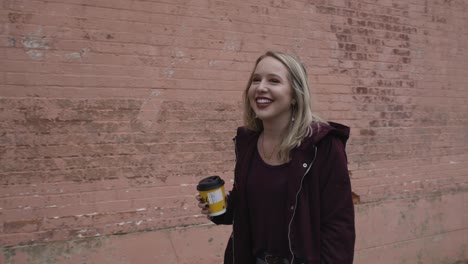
column 337, row 230
column 228, row 217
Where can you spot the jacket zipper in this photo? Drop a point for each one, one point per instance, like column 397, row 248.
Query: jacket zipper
column 295, row 205
column 234, row 213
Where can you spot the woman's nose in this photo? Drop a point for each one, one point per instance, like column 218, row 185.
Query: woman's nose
column 262, row 86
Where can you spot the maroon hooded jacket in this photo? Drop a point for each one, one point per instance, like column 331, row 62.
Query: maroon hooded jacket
column 320, row 213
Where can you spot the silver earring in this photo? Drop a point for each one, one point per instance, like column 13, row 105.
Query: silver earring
column 293, row 110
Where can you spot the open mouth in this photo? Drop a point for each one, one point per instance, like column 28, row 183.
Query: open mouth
column 263, row 102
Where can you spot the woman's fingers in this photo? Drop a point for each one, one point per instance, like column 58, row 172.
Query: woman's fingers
column 206, row 211
column 204, row 206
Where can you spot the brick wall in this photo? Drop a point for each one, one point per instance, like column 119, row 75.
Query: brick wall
column 113, row 110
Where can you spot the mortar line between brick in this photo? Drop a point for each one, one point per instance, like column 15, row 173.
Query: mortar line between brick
column 107, row 236
column 414, row 197
column 414, row 239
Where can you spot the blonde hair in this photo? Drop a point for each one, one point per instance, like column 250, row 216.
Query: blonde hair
column 301, row 111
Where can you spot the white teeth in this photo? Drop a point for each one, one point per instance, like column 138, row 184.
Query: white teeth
column 263, row 101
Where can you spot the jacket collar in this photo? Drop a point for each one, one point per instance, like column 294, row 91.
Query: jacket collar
column 246, row 137
column 302, row 156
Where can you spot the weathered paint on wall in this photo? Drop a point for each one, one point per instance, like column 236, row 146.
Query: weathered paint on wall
column 398, row 231
column 112, row 111
column 180, row 245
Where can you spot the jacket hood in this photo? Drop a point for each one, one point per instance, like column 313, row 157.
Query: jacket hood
column 322, row 130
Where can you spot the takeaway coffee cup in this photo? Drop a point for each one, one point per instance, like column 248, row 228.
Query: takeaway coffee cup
column 211, row 190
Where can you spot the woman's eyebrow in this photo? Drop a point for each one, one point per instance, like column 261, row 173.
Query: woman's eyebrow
column 268, row 75
column 275, row 75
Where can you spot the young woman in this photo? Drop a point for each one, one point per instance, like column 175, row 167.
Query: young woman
column 291, row 201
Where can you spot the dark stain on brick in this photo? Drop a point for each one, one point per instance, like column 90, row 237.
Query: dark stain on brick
column 395, row 108
column 360, row 90
column 367, row 132
column 110, row 36
column 401, row 52
column 9, row 254
column 439, row 19
column 19, row 18
column 400, row 115
column 162, row 178
column 80, row 21
column 52, row 252
column 406, row 60
column 410, row 84
column 14, row 17
column 343, row 38
column 376, row 123
column 347, row 46
column 375, row 42
column 21, row 226
column 280, row 4
column 404, row 37
column 361, row 56
column 375, row 25
column 326, row 10
column 11, row 42
column 409, row 30
column 405, row 44
column 365, row 32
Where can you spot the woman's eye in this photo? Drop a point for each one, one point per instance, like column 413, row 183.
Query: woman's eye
column 255, row 80
column 274, row 81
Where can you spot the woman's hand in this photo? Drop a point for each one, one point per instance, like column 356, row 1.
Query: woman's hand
column 204, row 206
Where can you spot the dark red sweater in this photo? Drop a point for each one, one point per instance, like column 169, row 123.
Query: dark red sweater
column 267, row 196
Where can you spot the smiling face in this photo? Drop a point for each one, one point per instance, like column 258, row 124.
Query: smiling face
column 270, row 93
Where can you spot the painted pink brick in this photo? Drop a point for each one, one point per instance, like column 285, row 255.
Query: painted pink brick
column 112, row 112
